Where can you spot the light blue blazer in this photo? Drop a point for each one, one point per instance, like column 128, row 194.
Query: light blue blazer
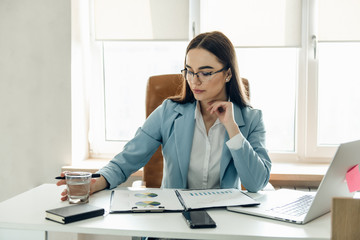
column 172, row 125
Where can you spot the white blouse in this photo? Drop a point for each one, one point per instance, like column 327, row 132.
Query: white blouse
column 204, row 167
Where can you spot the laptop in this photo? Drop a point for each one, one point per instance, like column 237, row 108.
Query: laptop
column 279, row 204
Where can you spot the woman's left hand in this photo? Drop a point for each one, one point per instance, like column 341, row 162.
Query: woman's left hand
column 224, row 111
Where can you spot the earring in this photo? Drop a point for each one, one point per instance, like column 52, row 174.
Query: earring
column 227, row 79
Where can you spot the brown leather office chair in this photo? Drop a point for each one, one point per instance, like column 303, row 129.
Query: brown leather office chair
column 158, row 89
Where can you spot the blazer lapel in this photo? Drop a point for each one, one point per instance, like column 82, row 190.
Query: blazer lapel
column 184, row 132
column 226, row 155
column 239, row 119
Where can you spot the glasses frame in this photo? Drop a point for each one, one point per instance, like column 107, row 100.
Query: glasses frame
column 184, row 73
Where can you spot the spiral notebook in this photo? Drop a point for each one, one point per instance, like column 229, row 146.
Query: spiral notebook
column 160, row 200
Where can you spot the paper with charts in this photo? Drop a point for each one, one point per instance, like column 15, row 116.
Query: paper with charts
column 159, row 200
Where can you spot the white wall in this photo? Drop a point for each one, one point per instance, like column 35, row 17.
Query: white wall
column 35, row 100
column 35, row 94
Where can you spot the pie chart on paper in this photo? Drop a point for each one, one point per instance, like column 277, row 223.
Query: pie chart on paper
column 146, row 195
column 147, row 204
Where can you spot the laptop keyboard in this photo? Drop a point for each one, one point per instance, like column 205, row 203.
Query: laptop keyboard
column 296, row 208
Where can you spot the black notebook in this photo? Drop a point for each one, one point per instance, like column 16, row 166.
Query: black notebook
column 73, row 213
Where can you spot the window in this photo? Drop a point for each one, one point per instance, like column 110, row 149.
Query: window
column 332, row 76
column 126, row 71
column 339, row 85
column 293, row 79
column 270, row 71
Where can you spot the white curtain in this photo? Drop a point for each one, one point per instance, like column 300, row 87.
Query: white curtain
column 339, row 20
column 254, row 23
column 141, row 19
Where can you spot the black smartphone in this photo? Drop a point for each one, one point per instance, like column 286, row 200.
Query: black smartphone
column 199, row 219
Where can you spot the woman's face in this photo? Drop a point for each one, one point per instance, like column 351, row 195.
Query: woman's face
column 213, row 86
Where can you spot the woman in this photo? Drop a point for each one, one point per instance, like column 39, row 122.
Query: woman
column 210, row 136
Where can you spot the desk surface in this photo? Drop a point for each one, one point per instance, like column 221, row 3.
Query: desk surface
column 27, row 211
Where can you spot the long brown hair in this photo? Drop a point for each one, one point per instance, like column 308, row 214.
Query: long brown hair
column 219, row 45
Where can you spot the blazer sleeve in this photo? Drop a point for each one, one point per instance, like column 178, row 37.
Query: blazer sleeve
column 251, row 159
column 137, row 152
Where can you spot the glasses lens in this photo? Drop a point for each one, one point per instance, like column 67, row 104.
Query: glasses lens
column 204, row 76
column 188, row 75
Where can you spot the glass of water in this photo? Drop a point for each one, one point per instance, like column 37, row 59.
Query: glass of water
column 78, row 186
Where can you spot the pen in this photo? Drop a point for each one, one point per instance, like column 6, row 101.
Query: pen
column 94, row 175
column 181, row 200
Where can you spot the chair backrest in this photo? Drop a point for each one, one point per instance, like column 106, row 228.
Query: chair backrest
column 158, row 89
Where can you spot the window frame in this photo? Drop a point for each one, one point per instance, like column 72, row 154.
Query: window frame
column 306, row 147
column 313, row 151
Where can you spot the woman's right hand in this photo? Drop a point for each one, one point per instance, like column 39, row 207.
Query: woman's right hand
column 63, row 182
column 96, row 184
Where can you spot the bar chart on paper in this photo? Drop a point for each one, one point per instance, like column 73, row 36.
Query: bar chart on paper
column 215, row 197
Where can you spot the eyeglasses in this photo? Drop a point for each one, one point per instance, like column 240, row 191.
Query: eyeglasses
column 202, row 76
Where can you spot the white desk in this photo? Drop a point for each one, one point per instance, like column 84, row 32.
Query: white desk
column 27, row 212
